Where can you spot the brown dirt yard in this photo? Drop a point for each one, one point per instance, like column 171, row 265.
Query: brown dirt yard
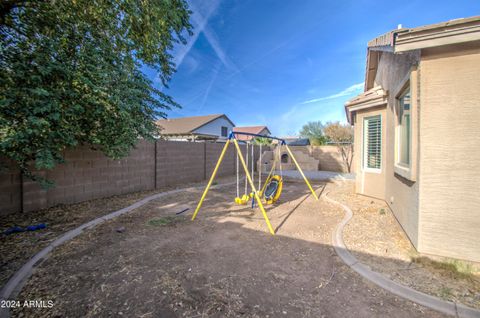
column 17, row 249
column 224, row 264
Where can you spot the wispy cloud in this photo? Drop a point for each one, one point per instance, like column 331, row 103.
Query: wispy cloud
column 215, row 44
column 191, row 64
column 200, row 24
column 326, row 108
column 256, row 60
column 354, row 89
column 209, row 87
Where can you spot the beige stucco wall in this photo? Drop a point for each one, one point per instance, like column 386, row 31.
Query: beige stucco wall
column 437, row 201
column 400, row 194
column 369, row 183
column 450, row 153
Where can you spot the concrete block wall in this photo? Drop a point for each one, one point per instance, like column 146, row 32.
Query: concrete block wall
column 179, row 162
column 88, row 174
column 329, row 157
column 212, row 153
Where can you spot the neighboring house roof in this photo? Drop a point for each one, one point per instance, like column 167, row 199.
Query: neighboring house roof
column 250, row 130
column 290, row 138
column 408, row 39
column 374, row 97
column 187, row 125
column 299, row 142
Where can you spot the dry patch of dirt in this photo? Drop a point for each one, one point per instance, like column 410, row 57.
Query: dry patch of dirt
column 224, row 264
column 17, row 248
column 376, row 239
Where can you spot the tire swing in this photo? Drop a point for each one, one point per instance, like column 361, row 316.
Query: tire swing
column 274, row 184
column 273, row 189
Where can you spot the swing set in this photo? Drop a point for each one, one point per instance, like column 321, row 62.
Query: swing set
column 270, row 192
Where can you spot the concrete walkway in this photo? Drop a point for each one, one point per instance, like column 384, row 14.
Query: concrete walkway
column 318, row 175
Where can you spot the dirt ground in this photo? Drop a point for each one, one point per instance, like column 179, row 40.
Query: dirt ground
column 224, row 264
column 376, row 239
column 16, row 249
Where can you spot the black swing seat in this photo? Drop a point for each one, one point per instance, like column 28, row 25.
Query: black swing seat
column 273, row 189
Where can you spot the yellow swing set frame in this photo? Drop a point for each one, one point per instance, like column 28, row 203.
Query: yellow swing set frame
column 232, row 139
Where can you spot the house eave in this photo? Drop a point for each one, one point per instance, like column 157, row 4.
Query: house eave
column 375, row 97
column 189, row 135
column 213, row 119
column 437, row 37
column 402, row 40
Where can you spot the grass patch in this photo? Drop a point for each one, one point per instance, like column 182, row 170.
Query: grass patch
column 382, row 211
column 445, row 293
column 453, row 267
column 166, row 220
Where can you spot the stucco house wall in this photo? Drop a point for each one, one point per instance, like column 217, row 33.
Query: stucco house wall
column 435, row 197
column 369, row 183
column 438, row 207
column 215, row 127
column 450, row 152
column 400, row 194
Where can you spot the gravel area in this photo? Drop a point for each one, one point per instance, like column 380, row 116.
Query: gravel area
column 375, row 237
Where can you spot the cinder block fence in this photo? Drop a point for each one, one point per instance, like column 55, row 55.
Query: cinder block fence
column 88, row 174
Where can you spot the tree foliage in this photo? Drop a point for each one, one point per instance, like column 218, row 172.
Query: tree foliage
column 338, row 133
column 341, row 135
column 313, row 130
column 70, row 73
column 262, row 141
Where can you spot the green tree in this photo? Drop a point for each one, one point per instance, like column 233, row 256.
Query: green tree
column 313, row 130
column 262, row 141
column 71, row 73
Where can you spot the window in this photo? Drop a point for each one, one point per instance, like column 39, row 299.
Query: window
column 372, row 142
column 406, row 126
column 403, row 128
column 224, row 131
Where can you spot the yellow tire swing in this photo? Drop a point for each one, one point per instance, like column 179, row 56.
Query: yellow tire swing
column 272, row 189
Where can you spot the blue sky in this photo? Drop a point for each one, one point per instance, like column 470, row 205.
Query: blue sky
column 284, row 63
